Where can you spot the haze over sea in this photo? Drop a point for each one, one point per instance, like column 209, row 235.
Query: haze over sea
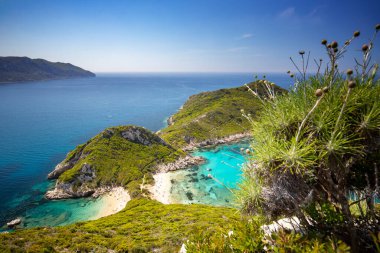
column 42, row 121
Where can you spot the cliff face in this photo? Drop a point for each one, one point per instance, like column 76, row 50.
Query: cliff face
column 20, row 69
column 118, row 156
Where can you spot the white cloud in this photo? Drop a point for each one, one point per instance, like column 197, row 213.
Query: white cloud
column 287, row 13
column 246, row 36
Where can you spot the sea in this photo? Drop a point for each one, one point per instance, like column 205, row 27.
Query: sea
column 40, row 122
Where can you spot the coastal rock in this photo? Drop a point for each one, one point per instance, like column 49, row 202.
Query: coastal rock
column 181, row 163
column 212, row 142
column 64, row 190
column 67, row 164
column 14, row 223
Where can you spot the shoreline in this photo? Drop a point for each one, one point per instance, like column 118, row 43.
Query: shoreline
column 113, row 202
column 215, row 142
column 161, row 189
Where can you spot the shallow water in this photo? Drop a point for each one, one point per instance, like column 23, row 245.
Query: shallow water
column 223, row 163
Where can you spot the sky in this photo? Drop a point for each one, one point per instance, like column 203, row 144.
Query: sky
column 183, row 35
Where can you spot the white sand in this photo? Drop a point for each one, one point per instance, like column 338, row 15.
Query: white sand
column 161, row 189
column 114, row 201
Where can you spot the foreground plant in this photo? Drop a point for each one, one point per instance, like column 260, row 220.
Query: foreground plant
column 316, row 151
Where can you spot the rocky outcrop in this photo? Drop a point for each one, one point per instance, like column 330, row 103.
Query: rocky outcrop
column 181, row 163
column 67, row 163
column 14, row 223
column 76, row 188
column 141, row 136
column 212, row 142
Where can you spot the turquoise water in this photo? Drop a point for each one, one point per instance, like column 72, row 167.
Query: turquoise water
column 42, row 121
column 223, row 163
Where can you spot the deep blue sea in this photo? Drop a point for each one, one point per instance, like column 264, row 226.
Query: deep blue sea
column 40, row 122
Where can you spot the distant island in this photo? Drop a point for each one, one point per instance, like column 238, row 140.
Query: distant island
column 21, row 69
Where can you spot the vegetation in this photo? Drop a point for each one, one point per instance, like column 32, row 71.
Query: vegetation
column 316, row 151
column 18, row 69
column 142, row 226
column 215, row 114
column 119, row 156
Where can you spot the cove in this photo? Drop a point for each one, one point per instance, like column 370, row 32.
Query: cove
column 223, row 163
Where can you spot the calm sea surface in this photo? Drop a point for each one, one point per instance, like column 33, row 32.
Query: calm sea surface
column 41, row 121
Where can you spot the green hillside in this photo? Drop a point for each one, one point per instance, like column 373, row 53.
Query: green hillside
column 214, row 114
column 119, row 156
column 143, row 226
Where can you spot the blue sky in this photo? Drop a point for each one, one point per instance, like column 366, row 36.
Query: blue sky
column 182, row 36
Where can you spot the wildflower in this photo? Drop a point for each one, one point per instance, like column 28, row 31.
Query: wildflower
column 241, row 149
column 351, row 84
column 325, row 89
column 356, row 34
column 209, row 176
column 318, row 92
column 247, row 151
column 334, row 44
column 365, row 47
column 242, row 110
column 324, row 42
column 349, row 72
column 301, row 52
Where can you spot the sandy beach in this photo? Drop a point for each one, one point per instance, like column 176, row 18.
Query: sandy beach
column 114, row 201
column 161, row 189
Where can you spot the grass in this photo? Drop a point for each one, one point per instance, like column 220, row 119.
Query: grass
column 142, row 226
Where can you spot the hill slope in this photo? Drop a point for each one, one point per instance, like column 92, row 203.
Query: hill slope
column 118, row 156
column 142, row 226
column 19, row 69
column 212, row 115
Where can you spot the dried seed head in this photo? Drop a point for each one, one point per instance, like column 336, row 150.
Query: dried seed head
column 334, row 44
column 320, row 60
column 241, row 149
column 365, row 48
column 335, row 50
column 288, row 71
column 324, row 42
column 325, row 89
column 351, row 84
column 301, row 52
column 377, row 27
column 242, row 110
column 349, row 72
column 347, row 42
column 318, row 92
column 247, row 151
column 356, row 34
column 291, row 75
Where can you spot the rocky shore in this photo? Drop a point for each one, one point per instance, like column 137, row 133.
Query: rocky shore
column 180, row 163
column 212, row 142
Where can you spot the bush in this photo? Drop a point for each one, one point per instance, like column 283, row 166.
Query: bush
column 316, row 151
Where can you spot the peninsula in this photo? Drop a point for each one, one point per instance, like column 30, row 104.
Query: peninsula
column 22, row 69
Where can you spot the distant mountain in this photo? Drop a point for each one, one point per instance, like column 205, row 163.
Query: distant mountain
column 19, row 69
